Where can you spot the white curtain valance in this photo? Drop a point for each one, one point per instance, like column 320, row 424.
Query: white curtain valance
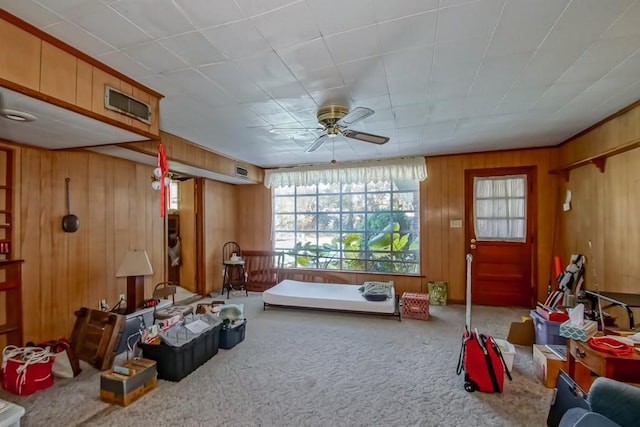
column 406, row 169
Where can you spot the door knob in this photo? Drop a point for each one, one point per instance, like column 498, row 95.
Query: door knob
column 473, row 240
column 472, row 246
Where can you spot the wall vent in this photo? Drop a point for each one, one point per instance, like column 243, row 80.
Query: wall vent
column 242, row 171
column 125, row 104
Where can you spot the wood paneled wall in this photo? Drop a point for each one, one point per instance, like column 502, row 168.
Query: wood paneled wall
column 62, row 272
column 605, row 207
column 221, row 219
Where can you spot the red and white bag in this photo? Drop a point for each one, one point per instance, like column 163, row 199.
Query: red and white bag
column 26, row 370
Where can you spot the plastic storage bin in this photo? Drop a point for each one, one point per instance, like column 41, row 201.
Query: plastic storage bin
column 508, row 351
column 230, row 337
column 547, row 332
column 175, row 363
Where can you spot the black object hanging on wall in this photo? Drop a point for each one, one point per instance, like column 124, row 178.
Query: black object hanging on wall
column 70, row 222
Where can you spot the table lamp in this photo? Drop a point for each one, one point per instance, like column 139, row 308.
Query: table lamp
column 134, row 266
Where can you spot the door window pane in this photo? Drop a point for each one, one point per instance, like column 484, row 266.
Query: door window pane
column 500, row 208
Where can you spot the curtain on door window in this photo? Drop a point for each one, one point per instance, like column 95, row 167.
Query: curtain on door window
column 500, row 208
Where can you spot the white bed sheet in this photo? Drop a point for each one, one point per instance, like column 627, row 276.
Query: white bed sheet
column 325, row 295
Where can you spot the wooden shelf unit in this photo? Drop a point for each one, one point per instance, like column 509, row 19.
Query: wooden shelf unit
column 598, row 160
column 6, row 203
column 11, row 287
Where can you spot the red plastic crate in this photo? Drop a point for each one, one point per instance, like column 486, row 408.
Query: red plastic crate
column 415, row 306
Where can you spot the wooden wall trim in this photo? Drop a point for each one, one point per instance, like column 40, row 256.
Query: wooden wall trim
column 77, row 53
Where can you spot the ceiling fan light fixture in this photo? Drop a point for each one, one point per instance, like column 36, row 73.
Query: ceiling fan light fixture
column 17, row 115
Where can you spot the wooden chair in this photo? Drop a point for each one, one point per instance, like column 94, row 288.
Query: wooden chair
column 235, row 277
column 263, row 269
column 164, row 290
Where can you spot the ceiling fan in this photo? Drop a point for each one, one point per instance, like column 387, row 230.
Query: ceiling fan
column 335, row 120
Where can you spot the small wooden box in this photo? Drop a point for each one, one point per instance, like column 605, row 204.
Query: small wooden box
column 123, row 390
column 415, row 306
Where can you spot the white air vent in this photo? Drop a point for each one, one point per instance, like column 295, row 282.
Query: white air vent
column 242, row 171
column 125, row 104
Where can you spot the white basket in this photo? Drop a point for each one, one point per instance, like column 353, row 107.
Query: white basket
column 508, row 352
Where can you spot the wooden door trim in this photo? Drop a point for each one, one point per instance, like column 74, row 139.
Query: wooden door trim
column 200, row 261
column 532, row 212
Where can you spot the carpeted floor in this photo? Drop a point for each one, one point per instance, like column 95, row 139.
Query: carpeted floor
column 310, row 368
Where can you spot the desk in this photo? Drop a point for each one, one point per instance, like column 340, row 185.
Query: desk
column 621, row 368
column 10, row 414
column 626, row 301
column 235, row 277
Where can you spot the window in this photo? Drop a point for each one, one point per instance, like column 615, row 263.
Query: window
column 500, row 208
column 174, row 196
column 370, row 227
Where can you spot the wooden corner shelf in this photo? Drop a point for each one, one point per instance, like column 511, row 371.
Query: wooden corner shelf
column 598, row 160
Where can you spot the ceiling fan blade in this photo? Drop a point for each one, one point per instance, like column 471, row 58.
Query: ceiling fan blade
column 316, row 144
column 354, row 116
column 367, row 137
column 275, row 130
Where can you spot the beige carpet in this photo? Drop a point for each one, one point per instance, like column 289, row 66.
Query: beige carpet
column 309, row 368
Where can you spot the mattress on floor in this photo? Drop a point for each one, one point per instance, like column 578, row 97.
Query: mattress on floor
column 325, row 295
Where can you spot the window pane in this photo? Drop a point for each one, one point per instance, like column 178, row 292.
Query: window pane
column 516, row 208
column 284, row 191
column 357, row 227
column 307, row 204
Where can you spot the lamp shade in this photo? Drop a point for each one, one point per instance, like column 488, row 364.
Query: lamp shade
column 135, row 263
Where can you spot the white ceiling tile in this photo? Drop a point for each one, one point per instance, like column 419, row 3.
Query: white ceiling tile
column 31, row 11
column 386, row 10
column 108, row 25
column 306, row 56
column 207, row 13
column 355, row 44
column 468, row 19
column 265, row 107
column 409, row 64
column 376, row 103
column 198, row 87
column 193, row 48
column 583, row 23
column 336, row 95
column 352, row 15
column 79, row 38
column 412, row 31
column 165, row 20
column 524, row 25
column 404, row 92
column 256, row 7
column 234, row 81
column 126, row 65
column 411, row 115
column 237, row 40
column 300, row 26
column 497, row 74
column 545, row 68
column 559, row 94
column 156, row 57
column 267, row 70
column 627, row 24
column 70, row 9
column 317, row 79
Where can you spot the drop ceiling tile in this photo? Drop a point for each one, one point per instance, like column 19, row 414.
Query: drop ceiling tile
column 267, row 70
column 318, row 79
column 79, row 38
column 336, row 95
column 108, row 25
column 233, row 81
column 165, row 20
column 299, row 103
column 156, row 57
column 266, row 107
column 409, row 64
column 237, row 40
column 376, row 103
column 300, row 26
column 280, row 119
column 305, row 56
column 206, row 13
column 353, row 14
column 386, row 10
column 468, row 19
column 583, row 23
column 404, row 92
column 497, row 74
column 70, row 9
column 125, row 64
column 412, row 31
column 161, row 85
column 193, row 48
column 31, row 11
column 255, row 7
column 196, row 86
column 356, row 44
column 410, row 115
column 545, row 68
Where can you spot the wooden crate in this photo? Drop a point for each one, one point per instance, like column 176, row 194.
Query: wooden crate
column 415, row 306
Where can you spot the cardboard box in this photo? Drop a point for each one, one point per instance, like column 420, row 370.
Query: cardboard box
column 125, row 389
column 579, row 333
column 547, row 365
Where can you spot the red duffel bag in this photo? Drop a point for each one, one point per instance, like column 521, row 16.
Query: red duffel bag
column 26, row 370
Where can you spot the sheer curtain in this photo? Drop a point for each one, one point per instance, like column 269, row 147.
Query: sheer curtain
column 406, row 169
column 500, row 208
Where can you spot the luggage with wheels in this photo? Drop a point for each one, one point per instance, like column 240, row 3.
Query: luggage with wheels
column 480, row 357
